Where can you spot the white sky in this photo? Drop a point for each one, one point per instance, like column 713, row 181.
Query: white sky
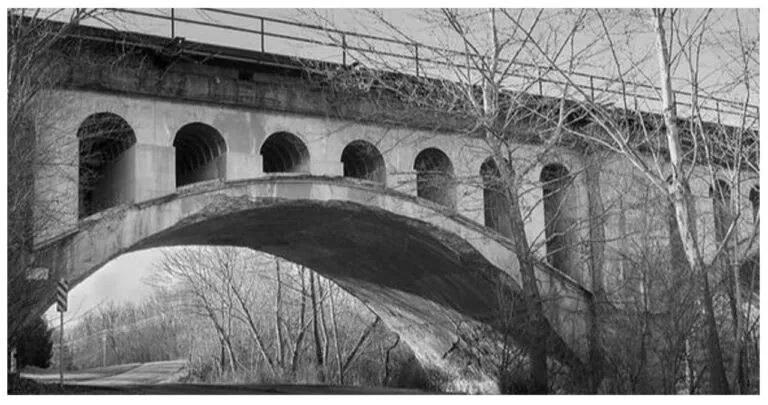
column 121, row 280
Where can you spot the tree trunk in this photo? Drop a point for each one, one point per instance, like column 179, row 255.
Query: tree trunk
column 336, row 337
column 356, row 350
column 387, row 370
column 319, row 356
column 537, row 350
column 255, row 331
column 278, row 319
column 323, row 323
column 302, row 318
column 739, row 373
column 681, row 196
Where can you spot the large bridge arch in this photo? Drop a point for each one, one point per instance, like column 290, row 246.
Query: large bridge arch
column 423, row 269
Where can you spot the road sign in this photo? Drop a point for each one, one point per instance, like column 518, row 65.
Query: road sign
column 61, row 295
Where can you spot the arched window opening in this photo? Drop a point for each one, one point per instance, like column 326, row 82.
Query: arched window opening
column 749, row 276
column 434, row 177
column 495, row 200
column 721, row 201
column 200, row 154
column 105, row 169
column 754, row 198
column 284, row 152
column 362, row 160
column 556, row 180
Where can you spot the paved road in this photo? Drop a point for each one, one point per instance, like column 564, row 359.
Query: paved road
column 125, row 374
column 220, row 389
column 160, row 378
column 158, row 372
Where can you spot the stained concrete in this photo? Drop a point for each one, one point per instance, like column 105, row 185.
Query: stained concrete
column 156, row 122
column 433, row 276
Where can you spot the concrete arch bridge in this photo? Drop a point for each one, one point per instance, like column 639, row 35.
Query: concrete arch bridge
column 430, row 274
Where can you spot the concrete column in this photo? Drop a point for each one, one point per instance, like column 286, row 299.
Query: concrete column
column 118, row 185
column 55, row 210
column 469, row 201
column 243, row 166
column 402, row 182
column 326, row 168
column 596, row 225
column 704, row 216
column 155, row 171
column 534, row 225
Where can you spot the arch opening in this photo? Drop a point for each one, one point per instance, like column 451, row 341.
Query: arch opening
column 434, row 177
column 362, row 160
column 558, row 222
column 284, row 152
column 720, row 193
column 495, row 200
column 106, row 163
column 200, row 154
column 749, row 276
column 754, row 199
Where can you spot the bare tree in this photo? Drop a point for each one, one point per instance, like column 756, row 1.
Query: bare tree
column 470, row 92
column 231, row 288
column 36, row 64
column 506, row 54
column 668, row 155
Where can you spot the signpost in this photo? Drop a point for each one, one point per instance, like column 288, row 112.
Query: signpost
column 62, row 289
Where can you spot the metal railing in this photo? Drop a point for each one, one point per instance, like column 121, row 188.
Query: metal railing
column 584, row 86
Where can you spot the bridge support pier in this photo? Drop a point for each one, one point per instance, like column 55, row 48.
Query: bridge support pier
column 326, row 168
column 404, row 183
column 243, row 166
column 155, row 171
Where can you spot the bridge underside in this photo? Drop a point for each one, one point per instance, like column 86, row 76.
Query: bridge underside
column 430, row 286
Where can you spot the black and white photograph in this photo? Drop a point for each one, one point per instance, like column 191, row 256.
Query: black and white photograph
column 383, row 201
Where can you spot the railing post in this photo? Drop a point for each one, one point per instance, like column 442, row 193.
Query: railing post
column 344, row 49
column 717, row 108
column 262, row 34
column 173, row 23
column 636, row 107
column 541, row 85
column 416, row 46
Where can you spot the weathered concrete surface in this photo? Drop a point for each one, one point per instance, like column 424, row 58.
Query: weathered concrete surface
column 432, row 275
column 634, row 217
column 156, row 123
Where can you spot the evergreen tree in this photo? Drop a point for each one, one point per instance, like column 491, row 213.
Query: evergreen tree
column 34, row 347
